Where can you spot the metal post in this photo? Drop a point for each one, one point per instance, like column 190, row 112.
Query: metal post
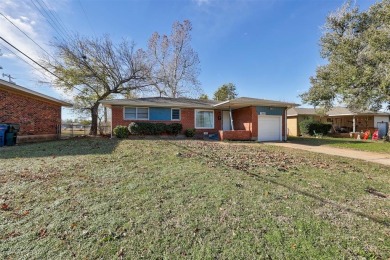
column 231, row 118
column 354, row 124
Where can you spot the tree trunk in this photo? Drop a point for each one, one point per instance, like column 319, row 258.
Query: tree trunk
column 94, row 116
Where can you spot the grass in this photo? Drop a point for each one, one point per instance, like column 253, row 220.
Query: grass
column 101, row 198
column 348, row 143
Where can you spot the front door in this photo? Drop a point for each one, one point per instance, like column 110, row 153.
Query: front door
column 226, row 125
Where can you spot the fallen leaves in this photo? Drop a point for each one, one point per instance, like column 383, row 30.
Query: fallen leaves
column 5, row 207
column 42, row 232
column 249, row 158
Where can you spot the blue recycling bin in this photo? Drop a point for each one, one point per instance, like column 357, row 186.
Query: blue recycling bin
column 11, row 134
column 3, row 129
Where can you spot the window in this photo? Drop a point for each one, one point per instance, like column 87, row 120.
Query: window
column 175, row 114
column 204, row 119
column 130, row 113
column 143, row 113
column 140, row 113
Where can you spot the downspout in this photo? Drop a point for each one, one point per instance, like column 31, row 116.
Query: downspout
column 231, row 118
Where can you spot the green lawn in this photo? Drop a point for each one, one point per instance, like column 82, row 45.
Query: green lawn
column 154, row 199
column 348, row 143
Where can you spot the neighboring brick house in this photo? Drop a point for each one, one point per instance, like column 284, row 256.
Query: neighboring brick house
column 237, row 119
column 39, row 115
column 342, row 119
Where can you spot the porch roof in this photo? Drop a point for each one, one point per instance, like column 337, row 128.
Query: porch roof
column 245, row 102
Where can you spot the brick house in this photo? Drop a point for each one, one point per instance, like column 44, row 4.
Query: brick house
column 39, row 115
column 237, row 119
column 342, row 119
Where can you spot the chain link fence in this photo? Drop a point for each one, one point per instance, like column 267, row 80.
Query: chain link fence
column 73, row 130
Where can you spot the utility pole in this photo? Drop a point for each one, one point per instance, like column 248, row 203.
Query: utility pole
column 10, row 78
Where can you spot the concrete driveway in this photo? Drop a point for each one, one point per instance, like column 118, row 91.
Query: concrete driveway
column 365, row 156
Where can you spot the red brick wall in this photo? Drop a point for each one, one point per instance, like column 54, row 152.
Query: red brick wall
column 34, row 115
column 235, row 135
column 187, row 119
column 245, row 119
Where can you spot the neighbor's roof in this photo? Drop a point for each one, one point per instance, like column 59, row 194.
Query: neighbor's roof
column 161, row 102
column 301, row 111
column 336, row 111
column 246, row 101
column 25, row 91
column 194, row 103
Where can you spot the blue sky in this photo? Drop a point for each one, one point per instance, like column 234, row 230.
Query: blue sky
column 267, row 48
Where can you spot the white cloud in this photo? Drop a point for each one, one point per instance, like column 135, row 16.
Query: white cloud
column 26, row 16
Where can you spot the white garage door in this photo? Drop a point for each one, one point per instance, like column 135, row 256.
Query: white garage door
column 270, row 128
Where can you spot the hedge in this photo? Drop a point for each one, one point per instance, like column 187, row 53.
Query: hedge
column 307, row 127
column 146, row 128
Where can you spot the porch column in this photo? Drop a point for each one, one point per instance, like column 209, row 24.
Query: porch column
column 353, row 124
column 231, row 118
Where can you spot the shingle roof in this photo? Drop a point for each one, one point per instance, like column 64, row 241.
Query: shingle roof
column 194, row 103
column 335, row 111
column 301, row 111
column 162, row 102
column 246, row 101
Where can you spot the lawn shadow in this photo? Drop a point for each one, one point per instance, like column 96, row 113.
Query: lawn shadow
column 383, row 222
column 69, row 147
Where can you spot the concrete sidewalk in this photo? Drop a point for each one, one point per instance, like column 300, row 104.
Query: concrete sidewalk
column 365, row 156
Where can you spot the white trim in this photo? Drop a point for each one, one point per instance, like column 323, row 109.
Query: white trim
column 179, row 114
column 285, row 125
column 136, row 113
column 205, row 110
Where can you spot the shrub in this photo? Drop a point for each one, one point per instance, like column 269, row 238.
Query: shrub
column 190, row 132
column 174, row 129
column 133, row 128
column 160, row 128
column 121, row 131
column 146, row 128
column 142, row 128
column 307, row 127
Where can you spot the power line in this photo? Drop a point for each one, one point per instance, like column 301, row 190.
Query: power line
column 87, row 18
column 27, row 36
column 59, row 21
column 10, row 44
column 8, row 49
column 50, row 21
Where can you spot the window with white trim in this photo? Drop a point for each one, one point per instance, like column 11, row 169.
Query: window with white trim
column 204, row 119
column 175, row 114
column 137, row 113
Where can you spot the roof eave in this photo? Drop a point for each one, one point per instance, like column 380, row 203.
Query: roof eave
column 26, row 91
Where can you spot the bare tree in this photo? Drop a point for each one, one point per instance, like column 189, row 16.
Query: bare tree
column 175, row 64
column 94, row 69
